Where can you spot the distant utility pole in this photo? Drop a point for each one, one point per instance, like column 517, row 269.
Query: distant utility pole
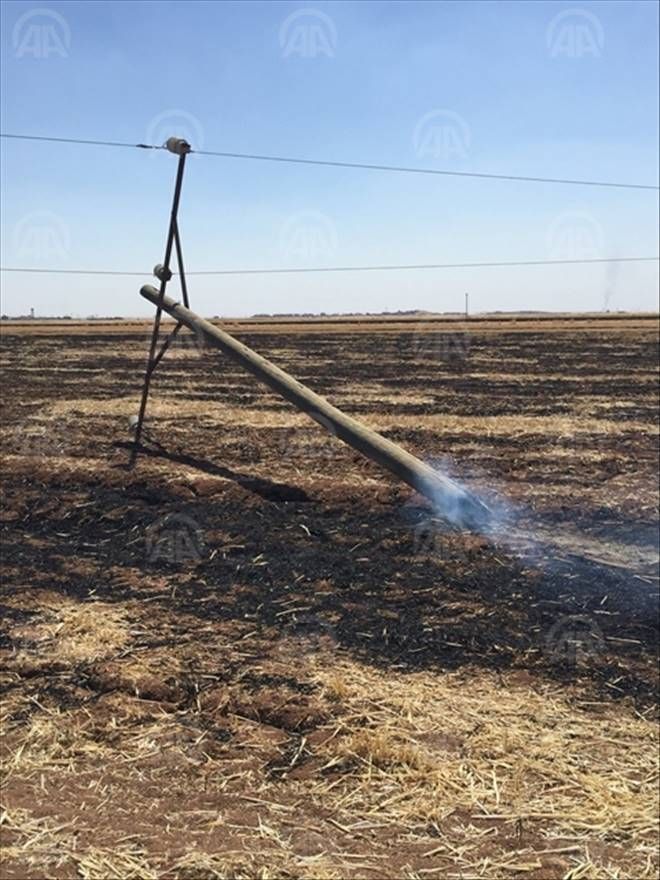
column 467, row 305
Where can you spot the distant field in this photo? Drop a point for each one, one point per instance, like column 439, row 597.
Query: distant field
column 522, row 321
column 256, row 655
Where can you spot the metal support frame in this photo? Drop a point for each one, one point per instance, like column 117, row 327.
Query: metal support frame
column 164, row 274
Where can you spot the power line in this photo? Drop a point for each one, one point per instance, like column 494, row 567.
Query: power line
column 384, row 268
column 61, row 140
column 304, row 269
column 399, row 169
column 73, row 271
column 437, row 171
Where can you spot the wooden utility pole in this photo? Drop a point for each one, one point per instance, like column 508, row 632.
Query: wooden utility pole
column 449, row 498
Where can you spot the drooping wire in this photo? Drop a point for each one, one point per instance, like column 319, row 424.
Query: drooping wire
column 63, row 140
column 303, row 269
column 369, row 166
column 410, row 170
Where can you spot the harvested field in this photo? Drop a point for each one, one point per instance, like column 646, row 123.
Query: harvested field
column 256, row 655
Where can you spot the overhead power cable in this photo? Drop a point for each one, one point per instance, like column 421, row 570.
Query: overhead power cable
column 303, row 269
column 437, row 171
column 329, row 163
column 62, row 140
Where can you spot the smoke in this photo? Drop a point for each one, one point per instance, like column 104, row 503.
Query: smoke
column 484, row 512
column 462, row 508
column 583, row 551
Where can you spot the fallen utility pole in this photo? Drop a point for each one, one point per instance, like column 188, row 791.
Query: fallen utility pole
column 449, row 498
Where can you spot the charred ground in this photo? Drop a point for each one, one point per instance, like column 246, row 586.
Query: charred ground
column 257, row 653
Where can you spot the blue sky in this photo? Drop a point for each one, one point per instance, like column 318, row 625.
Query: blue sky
column 531, row 88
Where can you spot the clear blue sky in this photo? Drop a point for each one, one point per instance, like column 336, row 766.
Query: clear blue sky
column 510, row 87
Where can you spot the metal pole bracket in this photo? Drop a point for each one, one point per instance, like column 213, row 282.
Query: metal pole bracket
column 163, row 273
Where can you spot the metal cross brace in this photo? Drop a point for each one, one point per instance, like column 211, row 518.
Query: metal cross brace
column 164, row 274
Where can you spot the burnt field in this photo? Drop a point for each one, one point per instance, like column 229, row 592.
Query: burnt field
column 257, row 655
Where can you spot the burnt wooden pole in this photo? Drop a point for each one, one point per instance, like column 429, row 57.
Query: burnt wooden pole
column 465, row 508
